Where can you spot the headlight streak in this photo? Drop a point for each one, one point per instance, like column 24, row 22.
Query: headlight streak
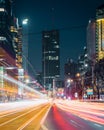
column 30, row 120
column 62, row 124
column 29, row 111
column 80, row 113
column 18, row 106
column 90, row 107
column 21, row 84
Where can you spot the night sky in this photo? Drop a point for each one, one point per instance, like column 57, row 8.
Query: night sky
column 69, row 16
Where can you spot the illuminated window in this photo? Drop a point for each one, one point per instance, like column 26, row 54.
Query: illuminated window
column 2, row 9
column 53, row 58
column 51, row 52
column 46, row 36
column 57, row 57
column 57, row 46
column 55, row 42
column 2, row 38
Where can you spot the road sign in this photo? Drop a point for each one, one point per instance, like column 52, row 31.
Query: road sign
column 89, row 91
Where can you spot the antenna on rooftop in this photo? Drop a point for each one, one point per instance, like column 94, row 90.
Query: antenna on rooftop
column 53, row 17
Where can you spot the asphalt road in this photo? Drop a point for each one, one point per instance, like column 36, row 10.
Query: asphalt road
column 23, row 115
column 74, row 115
column 51, row 115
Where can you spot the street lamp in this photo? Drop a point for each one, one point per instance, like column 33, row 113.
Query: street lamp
column 77, row 83
column 68, row 87
column 25, row 21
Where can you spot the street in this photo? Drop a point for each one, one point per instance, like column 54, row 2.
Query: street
column 22, row 115
column 51, row 115
column 73, row 115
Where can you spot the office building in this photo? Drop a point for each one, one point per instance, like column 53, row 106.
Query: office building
column 100, row 32
column 50, row 57
column 91, row 40
column 10, row 48
column 5, row 25
column 70, row 69
column 19, row 48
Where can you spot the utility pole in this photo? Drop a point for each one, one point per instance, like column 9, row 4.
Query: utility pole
column 54, row 88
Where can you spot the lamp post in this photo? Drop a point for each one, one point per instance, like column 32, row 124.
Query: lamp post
column 68, row 88
column 54, row 88
column 83, row 81
column 25, row 44
column 77, row 86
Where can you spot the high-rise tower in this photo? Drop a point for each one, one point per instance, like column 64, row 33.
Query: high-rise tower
column 50, row 57
column 100, row 32
column 91, row 40
column 5, row 25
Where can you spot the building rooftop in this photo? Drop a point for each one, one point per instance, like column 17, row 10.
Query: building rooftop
column 101, row 6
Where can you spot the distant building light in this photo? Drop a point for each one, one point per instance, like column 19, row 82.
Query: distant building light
column 89, row 21
column 86, row 55
column 56, row 46
column 86, row 65
column 57, row 75
column 100, row 19
column 2, row 38
column 2, row 9
column 52, row 57
column 84, row 47
column 55, row 42
column 51, row 51
column 46, row 36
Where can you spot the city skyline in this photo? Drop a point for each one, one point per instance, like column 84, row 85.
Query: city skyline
column 71, row 18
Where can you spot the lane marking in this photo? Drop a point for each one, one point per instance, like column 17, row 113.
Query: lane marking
column 98, row 125
column 44, row 127
column 76, row 124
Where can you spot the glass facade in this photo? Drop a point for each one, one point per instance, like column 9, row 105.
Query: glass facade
column 91, row 40
column 100, row 33
column 50, row 56
column 5, row 25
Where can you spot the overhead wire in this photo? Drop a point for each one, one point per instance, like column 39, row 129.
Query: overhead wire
column 60, row 29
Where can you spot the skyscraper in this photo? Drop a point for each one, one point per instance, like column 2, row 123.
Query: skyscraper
column 5, row 25
column 19, row 48
column 50, row 57
column 100, row 32
column 70, row 69
column 91, row 40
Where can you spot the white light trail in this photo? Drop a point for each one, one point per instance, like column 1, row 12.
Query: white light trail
column 6, row 77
